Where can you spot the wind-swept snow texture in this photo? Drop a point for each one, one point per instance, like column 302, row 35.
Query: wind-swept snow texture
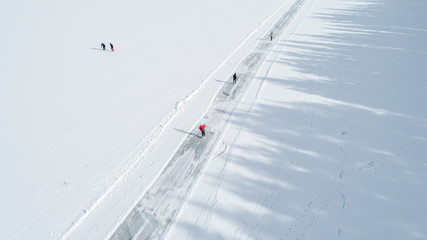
column 330, row 139
column 85, row 132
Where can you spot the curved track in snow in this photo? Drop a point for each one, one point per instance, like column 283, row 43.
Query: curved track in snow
column 151, row 217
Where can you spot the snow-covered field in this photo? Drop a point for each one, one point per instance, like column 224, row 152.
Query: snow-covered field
column 329, row 140
column 75, row 120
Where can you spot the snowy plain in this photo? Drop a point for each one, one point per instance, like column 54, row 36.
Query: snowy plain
column 75, row 120
column 328, row 141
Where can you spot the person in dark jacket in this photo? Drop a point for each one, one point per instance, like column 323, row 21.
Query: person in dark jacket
column 271, row 36
column 202, row 129
column 112, row 47
column 234, row 78
column 103, row 46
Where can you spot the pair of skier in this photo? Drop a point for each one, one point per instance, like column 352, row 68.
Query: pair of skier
column 111, row 46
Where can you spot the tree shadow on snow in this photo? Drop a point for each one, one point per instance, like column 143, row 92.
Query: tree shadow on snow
column 342, row 155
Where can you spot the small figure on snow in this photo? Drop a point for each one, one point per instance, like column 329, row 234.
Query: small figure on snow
column 234, row 78
column 202, row 129
column 103, row 46
column 271, row 36
column 112, row 47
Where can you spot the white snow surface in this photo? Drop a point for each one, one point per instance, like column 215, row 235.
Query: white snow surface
column 330, row 139
column 75, row 119
column 328, row 142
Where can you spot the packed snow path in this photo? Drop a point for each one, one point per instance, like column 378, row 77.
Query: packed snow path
column 150, row 159
column 84, row 132
column 153, row 214
column 329, row 141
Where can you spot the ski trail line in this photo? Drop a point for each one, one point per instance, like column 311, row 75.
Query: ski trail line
column 151, row 217
column 156, row 133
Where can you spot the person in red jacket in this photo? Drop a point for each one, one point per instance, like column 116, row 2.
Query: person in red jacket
column 202, row 129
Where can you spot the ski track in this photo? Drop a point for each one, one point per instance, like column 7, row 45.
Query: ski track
column 271, row 199
column 316, row 206
column 150, row 145
column 250, row 63
column 254, row 219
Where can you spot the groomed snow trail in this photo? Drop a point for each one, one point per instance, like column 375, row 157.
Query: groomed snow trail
column 151, row 158
column 153, row 214
column 315, row 150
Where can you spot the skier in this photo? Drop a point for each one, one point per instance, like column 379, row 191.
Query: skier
column 234, row 78
column 271, row 36
column 103, row 46
column 112, row 47
column 202, row 129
